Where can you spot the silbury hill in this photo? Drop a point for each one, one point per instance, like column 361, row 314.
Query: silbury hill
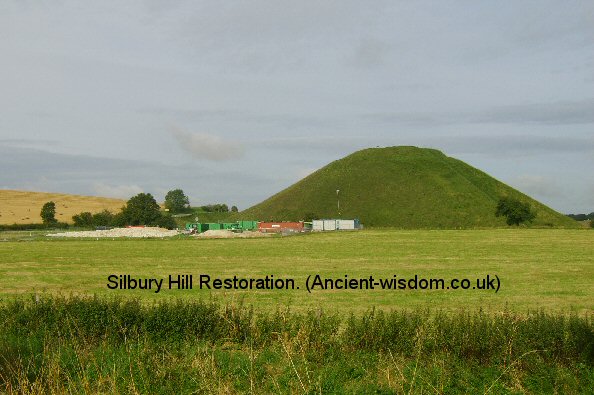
column 402, row 187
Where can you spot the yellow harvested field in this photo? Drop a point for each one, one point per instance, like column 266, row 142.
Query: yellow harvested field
column 24, row 207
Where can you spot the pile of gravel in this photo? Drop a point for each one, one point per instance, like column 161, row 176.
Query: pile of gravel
column 120, row 232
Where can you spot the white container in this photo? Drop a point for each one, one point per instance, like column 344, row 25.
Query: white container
column 317, row 225
column 329, row 224
column 345, row 224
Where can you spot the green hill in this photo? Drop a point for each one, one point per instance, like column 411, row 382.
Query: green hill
column 403, row 187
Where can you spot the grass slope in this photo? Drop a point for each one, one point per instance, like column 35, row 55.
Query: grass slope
column 24, row 207
column 404, row 187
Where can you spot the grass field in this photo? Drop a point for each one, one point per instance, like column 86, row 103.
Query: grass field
column 538, row 268
column 535, row 336
column 24, row 207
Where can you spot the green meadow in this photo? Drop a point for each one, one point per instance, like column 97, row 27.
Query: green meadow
column 549, row 269
column 65, row 331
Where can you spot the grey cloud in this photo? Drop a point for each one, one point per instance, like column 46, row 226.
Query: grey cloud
column 265, row 37
column 537, row 185
column 296, row 83
column 407, row 118
column 370, row 52
column 195, row 114
column 43, row 171
column 559, row 113
column 285, row 120
column 498, row 145
column 28, row 143
column 556, row 113
column 510, row 144
column 207, row 146
column 328, row 144
column 118, row 191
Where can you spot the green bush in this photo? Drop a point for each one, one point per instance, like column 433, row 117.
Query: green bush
column 166, row 221
column 55, row 225
column 83, row 220
column 515, row 211
column 103, row 218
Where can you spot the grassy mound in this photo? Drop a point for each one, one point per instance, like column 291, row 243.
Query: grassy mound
column 404, row 187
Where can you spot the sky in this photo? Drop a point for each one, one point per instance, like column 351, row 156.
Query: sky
column 234, row 101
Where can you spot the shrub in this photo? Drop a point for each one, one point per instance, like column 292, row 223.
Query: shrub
column 83, row 220
column 514, row 210
column 166, row 221
column 103, row 218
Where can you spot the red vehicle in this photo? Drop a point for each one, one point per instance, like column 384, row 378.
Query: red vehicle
column 268, row 227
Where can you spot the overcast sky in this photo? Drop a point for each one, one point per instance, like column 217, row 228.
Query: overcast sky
column 234, row 101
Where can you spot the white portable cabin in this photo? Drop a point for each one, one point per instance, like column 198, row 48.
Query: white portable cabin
column 330, row 224
column 345, row 224
column 335, row 224
column 317, row 225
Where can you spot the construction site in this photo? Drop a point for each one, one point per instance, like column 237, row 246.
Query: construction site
column 283, row 227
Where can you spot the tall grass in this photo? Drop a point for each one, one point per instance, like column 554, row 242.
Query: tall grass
column 89, row 345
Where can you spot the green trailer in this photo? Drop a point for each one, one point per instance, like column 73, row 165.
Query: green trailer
column 197, row 226
column 213, row 226
column 248, row 225
column 230, row 226
column 192, row 225
column 239, row 225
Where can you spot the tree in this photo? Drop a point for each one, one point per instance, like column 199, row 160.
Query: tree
column 516, row 211
column 119, row 219
column 176, row 201
column 83, row 220
column 166, row 221
column 103, row 218
column 234, row 209
column 87, row 220
column 578, row 217
column 141, row 209
column 48, row 213
column 216, row 208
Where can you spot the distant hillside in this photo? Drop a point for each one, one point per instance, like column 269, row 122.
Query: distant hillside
column 23, row 207
column 404, row 187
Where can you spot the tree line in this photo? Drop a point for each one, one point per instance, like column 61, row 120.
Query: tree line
column 141, row 209
column 582, row 217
